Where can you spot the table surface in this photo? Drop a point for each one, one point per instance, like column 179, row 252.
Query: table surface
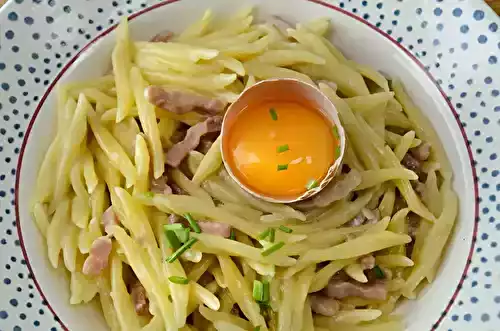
column 495, row 4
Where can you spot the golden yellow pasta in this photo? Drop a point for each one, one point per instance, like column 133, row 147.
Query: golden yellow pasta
column 147, row 118
column 210, row 163
column 116, row 154
column 121, row 60
column 122, row 302
column 55, row 231
column 142, row 160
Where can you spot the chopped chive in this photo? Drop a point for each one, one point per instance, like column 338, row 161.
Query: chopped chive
column 178, row 280
column 282, row 167
column 273, row 248
column 172, row 240
column 258, row 290
column 181, row 250
column 263, row 235
column 265, row 291
column 232, row 236
column 313, row 183
column 257, row 328
column 273, row 114
column 336, row 132
column 149, row 194
column 378, row 272
column 337, row 151
column 282, row 148
column 192, row 223
column 285, row 229
column 182, row 234
column 272, row 234
column 173, row 227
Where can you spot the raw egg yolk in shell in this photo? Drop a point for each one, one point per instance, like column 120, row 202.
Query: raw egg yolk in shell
column 280, row 149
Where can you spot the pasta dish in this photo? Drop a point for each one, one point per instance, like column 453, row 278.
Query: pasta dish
column 148, row 222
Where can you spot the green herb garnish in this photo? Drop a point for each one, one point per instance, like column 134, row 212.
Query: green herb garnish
column 282, row 148
column 181, row 250
column 282, row 167
column 192, row 223
column 378, row 272
column 269, row 232
column 182, row 235
column 263, row 235
column 178, row 280
column 258, row 292
column 273, row 248
column 257, row 328
column 337, row 151
column 273, row 114
column 232, row 236
column 149, row 194
column 173, row 227
column 265, row 291
column 172, row 240
column 180, row 232
column 272, row 235
column 313, row 183
column 336, row 132
column 285, row 229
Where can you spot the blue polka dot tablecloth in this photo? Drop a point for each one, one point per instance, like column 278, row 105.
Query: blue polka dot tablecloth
column 457, row 41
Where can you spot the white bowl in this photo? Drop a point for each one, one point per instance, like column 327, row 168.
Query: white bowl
column 357, row 40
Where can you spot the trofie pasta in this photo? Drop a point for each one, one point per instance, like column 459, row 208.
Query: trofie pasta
column 144, row 216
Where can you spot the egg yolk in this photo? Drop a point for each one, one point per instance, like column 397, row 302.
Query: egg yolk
column 278, row 148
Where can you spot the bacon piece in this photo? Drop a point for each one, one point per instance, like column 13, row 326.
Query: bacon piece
column 160, row 186
column 356, row 221
column 323, row 305
column 174, row 218
column 215, row 228
column 162, row 37
column 109, row 218
column 339, row 289
column 411, row 163
column 98, row 257
column 180, row 150
column 181, row 102
column 421, row 152
column 139, row 298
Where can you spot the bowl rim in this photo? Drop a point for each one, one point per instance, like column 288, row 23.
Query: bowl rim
column 131, row 17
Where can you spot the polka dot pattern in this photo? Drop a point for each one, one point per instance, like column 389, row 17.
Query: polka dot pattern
column 34, row 64
column 472, row 88
column 445, row 37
